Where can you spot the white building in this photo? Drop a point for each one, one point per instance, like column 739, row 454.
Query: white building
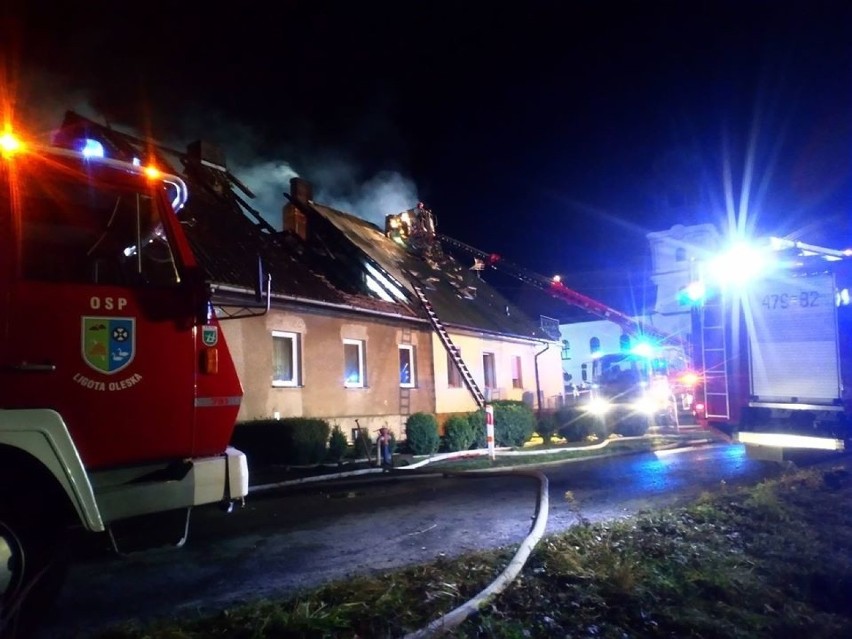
column 673, row 256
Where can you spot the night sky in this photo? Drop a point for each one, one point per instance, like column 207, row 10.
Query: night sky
column 555, row 133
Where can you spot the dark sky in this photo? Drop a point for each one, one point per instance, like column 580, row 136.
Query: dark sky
column 554, row 133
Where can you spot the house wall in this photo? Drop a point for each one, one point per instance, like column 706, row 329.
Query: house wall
column 452, row 400
column 321, row 392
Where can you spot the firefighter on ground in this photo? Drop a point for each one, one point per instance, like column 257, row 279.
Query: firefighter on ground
column 384, row 443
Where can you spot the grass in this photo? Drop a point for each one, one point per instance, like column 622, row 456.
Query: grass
column 773, row 560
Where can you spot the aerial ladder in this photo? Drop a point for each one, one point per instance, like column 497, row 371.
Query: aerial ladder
column 555, row 288
column 415, row 229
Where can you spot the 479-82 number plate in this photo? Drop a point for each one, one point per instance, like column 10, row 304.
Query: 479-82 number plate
column 794, row 299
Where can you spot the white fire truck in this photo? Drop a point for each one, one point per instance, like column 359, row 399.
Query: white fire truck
column 118, row 395
column 774, row 333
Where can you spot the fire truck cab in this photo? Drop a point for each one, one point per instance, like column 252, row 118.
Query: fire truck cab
column 631, row 387
column 118, row 395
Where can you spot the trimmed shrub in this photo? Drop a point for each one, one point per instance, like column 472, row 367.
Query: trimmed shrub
column 294, row 440
column 421, row 430
column 546, row 426
column 514, row 424
column 459, row 433
column 337, row 444
column 630, row 425
column 576, row 425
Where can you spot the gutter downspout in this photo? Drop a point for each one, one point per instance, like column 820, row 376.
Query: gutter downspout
column 537, row 382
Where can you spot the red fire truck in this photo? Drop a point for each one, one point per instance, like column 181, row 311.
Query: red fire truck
column 773, row 328
column 118, row 395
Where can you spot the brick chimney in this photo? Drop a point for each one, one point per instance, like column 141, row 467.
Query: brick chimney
column 207, row 153
column 295, row 220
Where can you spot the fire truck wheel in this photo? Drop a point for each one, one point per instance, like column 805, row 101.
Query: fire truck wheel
column 32, row 569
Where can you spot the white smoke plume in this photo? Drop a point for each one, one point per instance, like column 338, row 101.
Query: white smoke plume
column 337, row 183
column 385, row 192
column 38, row 100
column 268, row 181
column 41, row 99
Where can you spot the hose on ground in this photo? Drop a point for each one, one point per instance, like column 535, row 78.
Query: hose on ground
column 455, row 617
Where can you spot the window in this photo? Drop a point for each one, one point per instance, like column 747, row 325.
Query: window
column 285, row 359
column 624, row 342
column 517, row 378
column 566, row 349
column 490, row 377
column 74, row 232
column 680, row 254
column 584, row 372
column 594, row 345
column 353, row 363
column 454, row 379
column 406, row 365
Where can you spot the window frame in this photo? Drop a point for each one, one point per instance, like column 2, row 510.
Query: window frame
column 362, row 372
column 454, row 374
column 295, row 349
column 517, row 372
column 594, row 345
column 566, row 350
column 489, row 369
column 411, row 364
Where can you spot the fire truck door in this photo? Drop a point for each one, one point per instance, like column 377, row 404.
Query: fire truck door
column 98, row 326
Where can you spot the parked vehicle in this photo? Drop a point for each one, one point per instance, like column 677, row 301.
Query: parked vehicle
column 118, row 395
column 774, row 334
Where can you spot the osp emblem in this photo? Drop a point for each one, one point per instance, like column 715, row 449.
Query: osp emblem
column 108, row 343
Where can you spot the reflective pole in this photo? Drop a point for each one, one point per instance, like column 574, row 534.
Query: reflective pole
column 489, row 429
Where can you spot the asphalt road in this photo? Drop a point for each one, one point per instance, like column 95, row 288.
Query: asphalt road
column 285, row 540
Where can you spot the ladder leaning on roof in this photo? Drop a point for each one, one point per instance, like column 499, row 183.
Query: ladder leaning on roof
column 452, row 349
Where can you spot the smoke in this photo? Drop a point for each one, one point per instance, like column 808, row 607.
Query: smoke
column 41, row 98
column 267, row 181
column 37, row 101
column 383, row 193
column 335, row 184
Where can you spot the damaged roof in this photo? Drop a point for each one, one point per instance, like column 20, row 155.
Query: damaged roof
column 459, row 297
column 326, row 265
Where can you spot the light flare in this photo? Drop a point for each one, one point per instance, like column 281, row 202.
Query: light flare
column 10, row 144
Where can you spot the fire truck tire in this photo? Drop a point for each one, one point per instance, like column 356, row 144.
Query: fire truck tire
column 33, row 565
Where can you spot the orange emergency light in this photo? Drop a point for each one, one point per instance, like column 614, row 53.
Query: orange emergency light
column 10, row 144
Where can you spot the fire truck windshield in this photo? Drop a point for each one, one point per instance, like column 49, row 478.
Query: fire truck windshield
column 75, row 227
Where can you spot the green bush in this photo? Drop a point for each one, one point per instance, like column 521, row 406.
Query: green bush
column 421, row 430
column 337, row 444
column 514, row 424
column 294, row 440
column 546, row 426
column 459, row 433
column 629, row 424
column 575, row 425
